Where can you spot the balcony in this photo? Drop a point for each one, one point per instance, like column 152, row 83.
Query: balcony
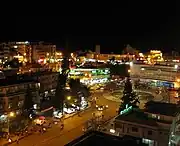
column 22, row 91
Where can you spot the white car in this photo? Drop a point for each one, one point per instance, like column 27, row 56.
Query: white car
column 69, row 110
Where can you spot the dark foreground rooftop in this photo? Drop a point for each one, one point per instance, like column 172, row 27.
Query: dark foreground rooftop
column 137, row 116
column 161, row 108
column 94, row 138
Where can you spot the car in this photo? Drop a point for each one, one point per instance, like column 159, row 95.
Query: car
column 101, row 107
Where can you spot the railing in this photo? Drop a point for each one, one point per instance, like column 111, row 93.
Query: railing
column 9, row 93
column 155, row 77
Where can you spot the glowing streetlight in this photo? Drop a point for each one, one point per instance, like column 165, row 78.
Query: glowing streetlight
column 69, row 98
column 178, row 80
column 176, row 66
column 11, row 114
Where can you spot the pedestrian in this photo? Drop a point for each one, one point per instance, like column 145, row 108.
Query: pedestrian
column 17, row 141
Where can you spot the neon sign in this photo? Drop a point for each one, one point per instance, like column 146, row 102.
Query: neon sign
column 126, row 110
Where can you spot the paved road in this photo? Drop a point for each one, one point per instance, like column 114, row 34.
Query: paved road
column 72, row 127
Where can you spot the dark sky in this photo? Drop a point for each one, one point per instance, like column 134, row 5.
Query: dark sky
column 143, row 25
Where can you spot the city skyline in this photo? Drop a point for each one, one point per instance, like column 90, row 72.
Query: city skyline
column 143, row 26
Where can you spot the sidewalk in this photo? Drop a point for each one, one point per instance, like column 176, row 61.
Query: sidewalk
column 4, row 142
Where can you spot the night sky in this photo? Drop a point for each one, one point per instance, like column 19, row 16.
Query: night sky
column 143, row 25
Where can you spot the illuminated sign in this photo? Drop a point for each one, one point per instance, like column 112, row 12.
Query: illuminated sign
column 22, row 43
column 126, row 110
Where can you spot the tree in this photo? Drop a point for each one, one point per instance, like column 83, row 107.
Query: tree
column 129, row 97
column 79, row 90
column 58, row 100
column 75, row 87
column 14, row 63
column 28, row 102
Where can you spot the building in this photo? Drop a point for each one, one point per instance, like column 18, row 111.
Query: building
column 27, row 51
column 12, row 94
column 47, row 80
column 90, row 75
column 174, row 134
column 98, row 138
column 23, row 49
column 161, row 110
column 105, row 57
column 157, row 75
column 43, row 51
column 155, row 56
column 6, row 53
column 153, row 129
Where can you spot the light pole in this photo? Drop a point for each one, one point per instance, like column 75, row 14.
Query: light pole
column 11, row 114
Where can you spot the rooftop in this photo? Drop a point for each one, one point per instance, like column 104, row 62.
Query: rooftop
column 98, row 138
column 161, row 108
column 137, row 116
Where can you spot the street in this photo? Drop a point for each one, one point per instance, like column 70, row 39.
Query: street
column 72, row 127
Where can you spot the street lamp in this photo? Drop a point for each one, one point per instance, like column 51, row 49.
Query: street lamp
column 69, row 98
column 11, row 114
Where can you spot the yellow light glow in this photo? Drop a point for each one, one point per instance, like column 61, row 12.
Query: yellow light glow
column 58, row 53
column 69, row 98
column 11, row 114
column 129, row 70
column 178, row 80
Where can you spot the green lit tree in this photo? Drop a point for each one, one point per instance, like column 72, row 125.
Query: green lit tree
column 129, row 97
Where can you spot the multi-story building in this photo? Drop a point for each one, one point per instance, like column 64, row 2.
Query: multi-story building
column 47, row 80
column 23, row 49
column 174, row 134
column 43, row 50
column 157, row 75
column 106, row 57
column 27, row 52
column 5, row 53
column 152, row 125
column 138, row 124
column 12, row 94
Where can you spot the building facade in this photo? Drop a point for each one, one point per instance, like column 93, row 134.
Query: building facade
column 138, row 124
column 159, row 75
column 174, row 134
column 47, row 80
column 90, row 76
column 43, row 50
column 13, row 94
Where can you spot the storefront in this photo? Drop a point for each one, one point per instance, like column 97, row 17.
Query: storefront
column 159, row 83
